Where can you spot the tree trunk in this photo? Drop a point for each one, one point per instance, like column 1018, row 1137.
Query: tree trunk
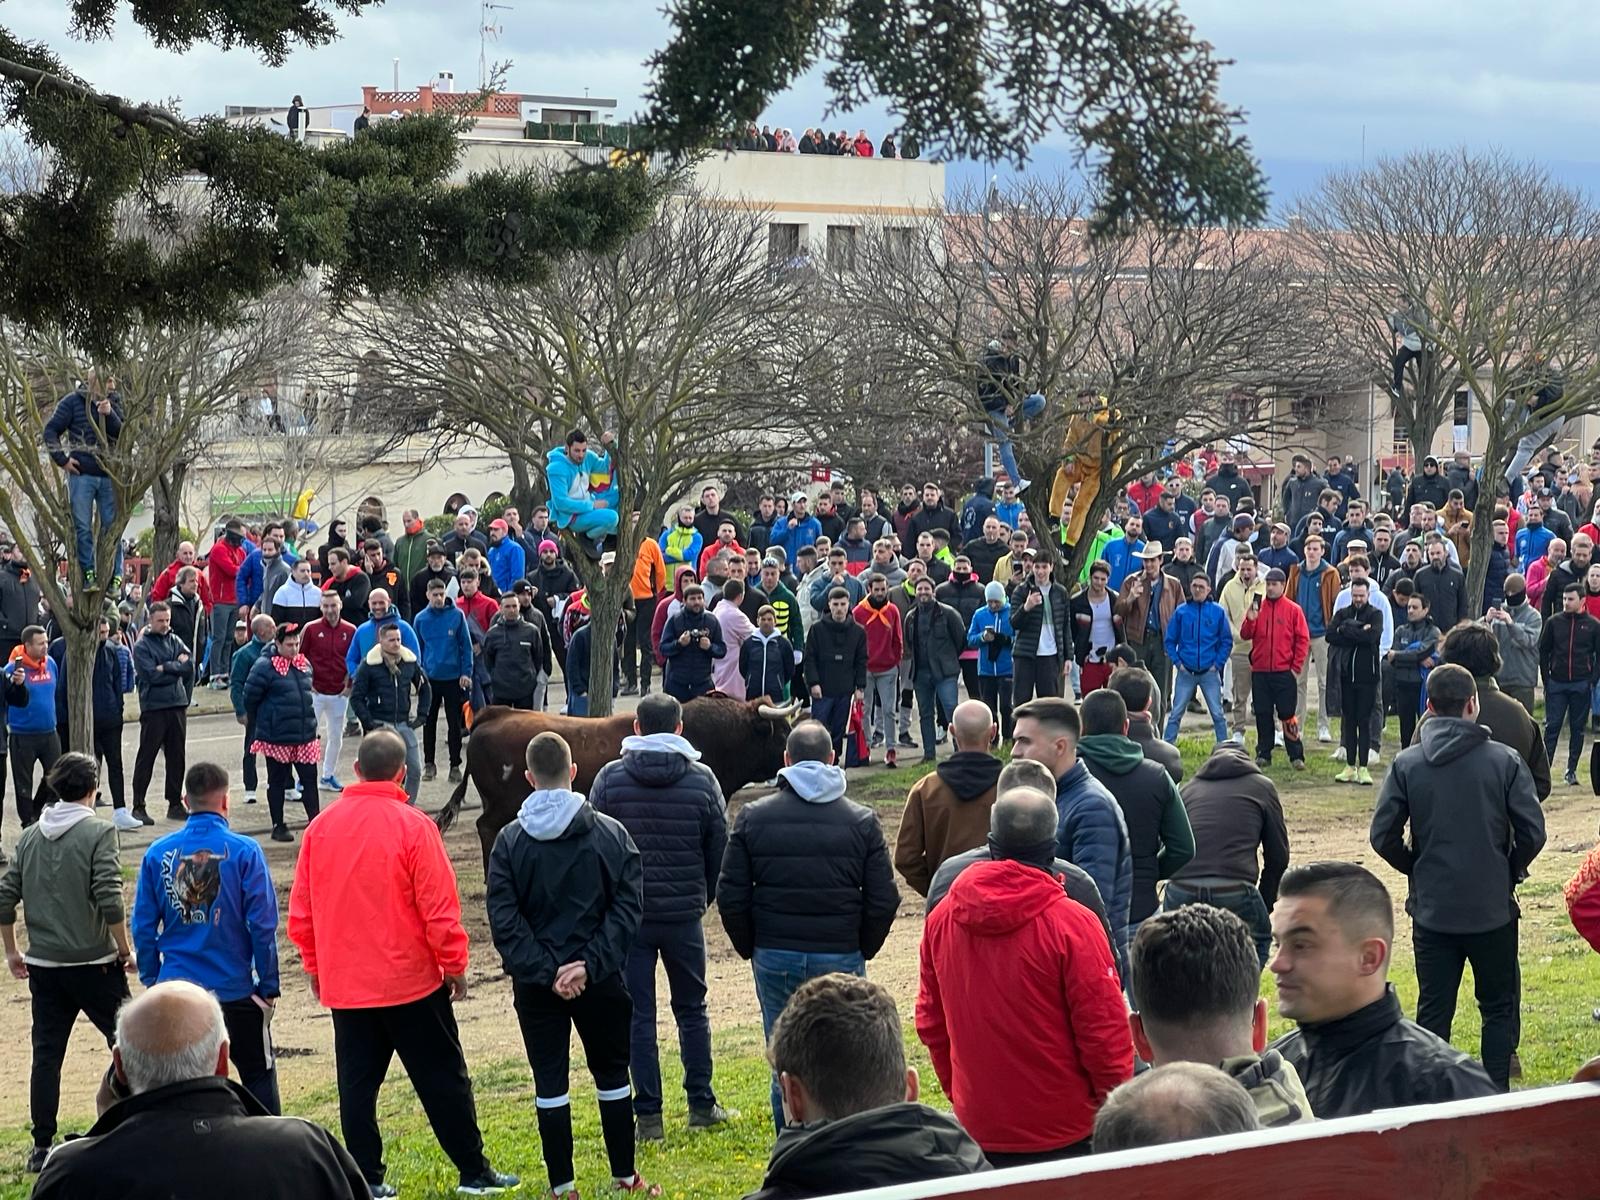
column 527, row 490
column 82, row 646
column 1420, row 432
column 167, row 513
column 606, row 597
column 1496, row 455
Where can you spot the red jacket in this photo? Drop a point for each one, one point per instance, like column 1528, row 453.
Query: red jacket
column 712, row 551
column 480, row 608
column 374, row 909
column 1279, row 638
column 1020, row 1009
column 1145, row 495
column 161, row 589
column 1583, row 899
column 325, row 647
column 886, row 638
column 222, row 568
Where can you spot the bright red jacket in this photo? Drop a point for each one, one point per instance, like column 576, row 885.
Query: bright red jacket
column 480, row 608
column 374, row 909
column 1145, row 495
column 325, row 647
column 162, row 588
column 1583, row 899
column 1279, row 637
column 886, row 638
column 222, row 569
column 1020, row 1009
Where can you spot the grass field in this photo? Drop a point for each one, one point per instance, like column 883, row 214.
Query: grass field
column 1561, row 988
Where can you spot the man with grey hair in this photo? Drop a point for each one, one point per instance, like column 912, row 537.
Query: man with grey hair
column 1174, row 1103
column 176, row 1107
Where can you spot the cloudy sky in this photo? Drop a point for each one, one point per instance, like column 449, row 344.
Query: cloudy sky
column 1314, row 78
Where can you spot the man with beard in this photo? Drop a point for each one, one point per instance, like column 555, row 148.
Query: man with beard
column 983, row 553
column 1300, row 490
column 1164, row 523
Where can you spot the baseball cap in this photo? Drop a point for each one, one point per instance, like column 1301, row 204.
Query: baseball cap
column 237, row 624
column 1276, row 575
column 798, row 496
column 497, row 523
column 435, row 546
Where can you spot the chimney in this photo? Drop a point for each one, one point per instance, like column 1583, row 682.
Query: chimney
column 397, row 74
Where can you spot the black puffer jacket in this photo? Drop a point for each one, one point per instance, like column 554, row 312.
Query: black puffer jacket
column 1375, row 1058
column 1029, row 623
column 19, row 601
column 673, row 808
column 836, row 656
column 163, row 680
column 807, row 869
column 574, row 890
column 899, row 1143
column 1159, row 837
column 278, row 692
column 379, row 697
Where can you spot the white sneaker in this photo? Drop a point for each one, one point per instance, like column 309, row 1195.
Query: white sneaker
column 1338, row 754
column 1023, row 485
column 1324, row 734
column 1373, row 758
column 126, row 821
column 292, row 794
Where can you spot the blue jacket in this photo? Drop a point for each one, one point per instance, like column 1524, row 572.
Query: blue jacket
column 113, row 679
column 804, row 533
column 76, row 429
column 1532, row 542
column 1008, row 513
column 206, row 911
column 281, row 703
column 1270, row 556
column 1119, row 555
column 446, row 642
column 31, row 707
column 1198, row 637
column 367, row 637
column 1494, row 581
column 244, row 659
column 247, row 583
column 569, row 483
column 1091, row 835
column 508, row 562
column 994, row 658
column 681, row 544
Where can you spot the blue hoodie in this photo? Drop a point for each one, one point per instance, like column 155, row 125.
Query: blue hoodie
column 31, row 708
column 994, row 657
column 206, row 911
column 446, row 641
column 805, row 533
column 569, row 483
column 247, row 583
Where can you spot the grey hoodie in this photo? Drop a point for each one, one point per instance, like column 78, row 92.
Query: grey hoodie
column 814, row 782
column 547, row 812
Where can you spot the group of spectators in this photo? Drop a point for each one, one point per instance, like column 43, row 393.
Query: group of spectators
column 780, row 140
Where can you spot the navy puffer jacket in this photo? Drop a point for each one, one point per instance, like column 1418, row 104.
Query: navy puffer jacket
column 278, row 691
column 673, row 808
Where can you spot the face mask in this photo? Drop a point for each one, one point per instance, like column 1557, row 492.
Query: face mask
column 1515, row 598
column 413, row 527
column 233, row 538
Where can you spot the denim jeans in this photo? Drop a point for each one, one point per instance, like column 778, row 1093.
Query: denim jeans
column 1241, row 899
column 408, row 735
column 1209, row 684
column 681, row 946
column 1000, row 426
column 1567, row 702
column 86, row 493
column 778, row 974
column 928, row 690
column 1527, row 446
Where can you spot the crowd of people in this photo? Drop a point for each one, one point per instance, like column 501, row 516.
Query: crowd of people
column 838, row 142
column 1134, row 1015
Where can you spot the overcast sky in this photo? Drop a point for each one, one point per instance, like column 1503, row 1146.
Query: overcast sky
column 1311, row 76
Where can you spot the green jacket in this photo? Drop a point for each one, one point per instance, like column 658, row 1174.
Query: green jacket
column 410, row 556
column 66, row 873
column 1102, row 539
column 1274, row 1087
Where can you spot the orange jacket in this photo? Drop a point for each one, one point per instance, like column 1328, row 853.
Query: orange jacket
column 374, row 909
column 649, row 571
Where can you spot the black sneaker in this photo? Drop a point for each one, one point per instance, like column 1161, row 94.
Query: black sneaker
column 36, row 1159
column 429, row 772
column 177, row 812
column 907, row 740
column 455, row 774
column 649, row 1127
column 280, row 833
column 144, row 817
column 487, row 1183
column 709, row 1117
column 629, row 689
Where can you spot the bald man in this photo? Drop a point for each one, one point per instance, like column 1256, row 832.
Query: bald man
column 1174, row 1103
column 181, row 1130
column 947, row 810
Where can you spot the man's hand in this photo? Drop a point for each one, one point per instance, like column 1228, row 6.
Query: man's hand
column 988, row 635
column 18, row 674
column 816, row 691
column 183, row 658
column 861, row 696
column 316, row 988
column 457, row 985
column 241, row 720
column 71, row 466
column 127, row 962
column 608, row 438
column 571, row 979
column 598, row 503
column 19, row 969
column 1033, row 601
column 705, row 642
column 103, row 406
column 683, row 638
column 465, row 683
column 349, row 687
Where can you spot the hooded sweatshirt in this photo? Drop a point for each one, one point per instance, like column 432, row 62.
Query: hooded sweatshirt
column 1274, row 1086
column 66, row 874
column 946, row 813
column 1158, row 826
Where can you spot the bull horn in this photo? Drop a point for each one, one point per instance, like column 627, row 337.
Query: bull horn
column 774, row 713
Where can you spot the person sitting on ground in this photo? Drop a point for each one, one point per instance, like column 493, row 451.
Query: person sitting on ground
column 1354, row 1049
column 851, row 1100
column 947, row 810
column 182, row 1130
column 1196, row 987
column 1173, row 1104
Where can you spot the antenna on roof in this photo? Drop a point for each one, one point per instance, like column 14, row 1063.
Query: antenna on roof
column 487, row 28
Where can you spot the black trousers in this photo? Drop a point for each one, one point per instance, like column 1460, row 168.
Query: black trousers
column 163, row 731
column 28, row 750
column 425, row 1035
column 281, row 777
column 447, row 694
column 1035, row 676
column 1272, row 695
column 970, row 680
column 1408, row 707
column 250, row 1049
column 1357, row 700
column 603, row 1015
column 108, row 750
column 1401, row 357
column 1496, row 982
column 995, row 691
column 638, row 656
column 59, row 995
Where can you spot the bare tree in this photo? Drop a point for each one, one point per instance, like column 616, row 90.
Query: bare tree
column 679, row 344
column 1146, row 345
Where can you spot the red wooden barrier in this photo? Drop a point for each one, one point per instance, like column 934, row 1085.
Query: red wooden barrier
column 1535, row 1145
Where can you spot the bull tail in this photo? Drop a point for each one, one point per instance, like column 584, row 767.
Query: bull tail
column 446, row 816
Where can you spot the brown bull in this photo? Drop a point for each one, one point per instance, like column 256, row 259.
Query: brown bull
column 740, row 741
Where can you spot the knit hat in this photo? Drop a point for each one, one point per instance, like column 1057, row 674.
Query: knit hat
column 994, row 591
column 547, row 544
column 1276, row 575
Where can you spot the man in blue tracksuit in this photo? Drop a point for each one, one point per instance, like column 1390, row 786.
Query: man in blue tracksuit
column 447, row 662
column 1199, row 641
column 569, row 470
column 206, row 912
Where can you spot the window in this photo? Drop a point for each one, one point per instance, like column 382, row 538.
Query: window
column 900, row 243
column 1462, row 417
column 783, row 243
column 842, row 247
column 1308, row 411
